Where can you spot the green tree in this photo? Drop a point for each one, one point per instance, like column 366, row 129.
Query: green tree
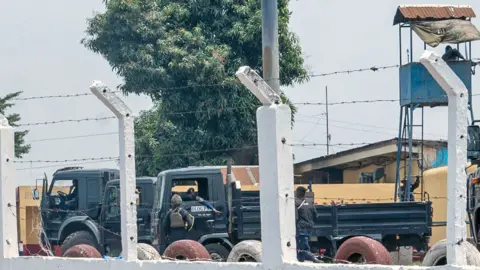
column 184, row 55
column 6, row 102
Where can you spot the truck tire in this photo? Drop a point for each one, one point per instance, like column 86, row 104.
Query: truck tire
column 145, row 252
column 78, row 238
column 186, row 250
column 437, row 254
column 217, row 252
column 361, row 249
column 82, row 251
column 246, row 251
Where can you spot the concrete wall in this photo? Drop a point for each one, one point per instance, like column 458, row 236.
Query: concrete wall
column 81, row 264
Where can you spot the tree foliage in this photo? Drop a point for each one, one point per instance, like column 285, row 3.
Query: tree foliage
column 6, row 102
column 184, row 55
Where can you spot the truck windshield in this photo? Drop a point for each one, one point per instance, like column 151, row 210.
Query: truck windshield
column 63, row 186
column 112, row 210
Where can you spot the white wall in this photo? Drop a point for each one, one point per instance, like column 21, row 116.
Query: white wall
column 82, row 264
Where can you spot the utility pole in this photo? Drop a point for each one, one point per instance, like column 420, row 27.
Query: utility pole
column 326, row 116
column 271, row 64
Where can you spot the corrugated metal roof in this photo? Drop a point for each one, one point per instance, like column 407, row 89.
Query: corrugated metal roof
column 241, row 174
column 408, row 13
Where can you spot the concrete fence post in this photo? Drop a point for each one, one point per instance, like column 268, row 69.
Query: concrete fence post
column 276, row 172
column 8, row 231
column 457, row 154
column 128, row 206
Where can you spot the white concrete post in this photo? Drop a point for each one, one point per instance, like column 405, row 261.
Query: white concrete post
column 8, row 232
column 276, row 172
column 128, row 207
column 457, row 154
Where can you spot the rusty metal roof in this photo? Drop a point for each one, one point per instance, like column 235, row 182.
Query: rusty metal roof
column 407, row 13
column 247, row 175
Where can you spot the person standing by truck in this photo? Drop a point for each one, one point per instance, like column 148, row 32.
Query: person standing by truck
column 178, row 222
column 304, row 216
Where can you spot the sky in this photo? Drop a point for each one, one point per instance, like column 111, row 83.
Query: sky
column 41, row 55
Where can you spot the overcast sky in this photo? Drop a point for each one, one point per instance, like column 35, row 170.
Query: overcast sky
column 41, row 55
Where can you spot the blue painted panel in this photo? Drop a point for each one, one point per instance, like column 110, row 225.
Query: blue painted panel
column 418, row 87
column 441, row 159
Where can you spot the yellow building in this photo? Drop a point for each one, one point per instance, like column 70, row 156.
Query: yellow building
column 346, row 167
column 28, row 214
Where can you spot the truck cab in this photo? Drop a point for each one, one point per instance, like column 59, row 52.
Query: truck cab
column 96, row 221
column 72, row 200
column 209, row 184
column 110, row 222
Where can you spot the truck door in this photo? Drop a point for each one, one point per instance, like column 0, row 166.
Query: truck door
column 111, row 217
column 219, row 196
column 204, row 217
column 144, row 208
column 93, row 197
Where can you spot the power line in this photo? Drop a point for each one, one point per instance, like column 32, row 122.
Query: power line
column 61, row 165
column 72, row 137
column 358, row 124
column 364, row 101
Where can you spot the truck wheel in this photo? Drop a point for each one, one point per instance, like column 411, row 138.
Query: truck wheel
column 437, row 254
column 363, row 250
column 82, row 251
column 145, row 252
column 78, row 238
column 217, row 252
column 246, row 251
column 186, row 250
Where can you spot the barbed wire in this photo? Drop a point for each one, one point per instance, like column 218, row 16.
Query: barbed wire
column 212, row 110
column 332, row 144
column 67, row 121
column 66, row 160
column 373, row 68
column 89, row 119
column 111, row 158
column 56, row 96
column 312, row 75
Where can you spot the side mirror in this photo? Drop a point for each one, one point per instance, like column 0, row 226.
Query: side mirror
column 473, row 142
column 35, row 194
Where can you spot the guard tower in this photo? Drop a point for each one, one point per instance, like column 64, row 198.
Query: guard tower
column 435, row 25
